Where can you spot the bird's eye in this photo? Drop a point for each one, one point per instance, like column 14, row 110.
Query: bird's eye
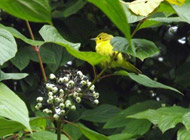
column 100, row 38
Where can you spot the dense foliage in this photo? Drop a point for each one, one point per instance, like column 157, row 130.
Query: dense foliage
column 45, row 47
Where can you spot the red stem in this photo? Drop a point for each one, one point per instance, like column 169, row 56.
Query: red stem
column 37, row 50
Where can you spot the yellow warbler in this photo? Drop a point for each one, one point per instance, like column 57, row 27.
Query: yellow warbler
column 104, row 47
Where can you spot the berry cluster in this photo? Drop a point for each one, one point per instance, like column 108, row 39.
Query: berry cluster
column 63, row 91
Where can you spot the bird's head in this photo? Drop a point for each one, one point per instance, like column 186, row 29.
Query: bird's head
column 102, row 37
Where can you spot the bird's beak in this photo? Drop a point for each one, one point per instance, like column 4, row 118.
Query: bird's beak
column 93, row 39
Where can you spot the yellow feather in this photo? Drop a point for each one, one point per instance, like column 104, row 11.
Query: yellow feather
column 104, row 47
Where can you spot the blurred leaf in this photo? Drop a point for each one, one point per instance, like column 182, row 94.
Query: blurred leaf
column 90, row 134
column 115, row 12
column 73, row 7
column 166, row 117
column 33, row 10
column 18, row 35
column 101, row 113
column 46, row 55
column 73, row 131
column 146, row 81
column 183, row 134
column 121, row 136
column 143, row 48
column 182, row 76
column 46, row 135
column 12, row 107
column 91, row 57
column 166, row 9
column 21, row 60
column 14, row 76
column 8, row 46
column 182, row 11
column 120, row 120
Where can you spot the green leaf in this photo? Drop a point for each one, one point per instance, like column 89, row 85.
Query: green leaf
column 12, row 107
column 74, row 8
column 38, row 122
column 133, row 125
column 145, row 81
column 14, row 76
column 186, row 120
column 33, row 10
column 100, row 114
column 183, row 134
column 46, row 135
column 143, row 48
column 9, row 126
column 73, row 131
column 115, row 12
column 21, row 60
column 18, row 35
column 90, row 134
column 165, row 118
column 149, row 23
column 122, row 136
column 120, row 119
column 46, row 54
column 91, row 57
column 182, row 11
column 8, row 46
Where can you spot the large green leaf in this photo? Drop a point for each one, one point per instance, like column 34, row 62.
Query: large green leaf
column 31, row 10
column 115, row 12
column 183, row 134
column 120, row 119
column 165, row 118
column 21, row 60
column 183, row 11
column 9, row 126
column 12, row 107
column 14, row 76
column 73, row 131
column 47, row 55
column 46, row 135
column 91, row 57
column 18, row 35
column 143, row 48
column 8, row 46
column 145, row 80
column 101, row 113
column 186, row 120
column 90, row 134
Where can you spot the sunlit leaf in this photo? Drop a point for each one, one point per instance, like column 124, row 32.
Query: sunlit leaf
column 31, row 10
column 12, row 107
column 14, row 76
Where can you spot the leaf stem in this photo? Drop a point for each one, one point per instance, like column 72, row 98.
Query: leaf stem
column 58, row 130
column 137, row 27
column 37, row 50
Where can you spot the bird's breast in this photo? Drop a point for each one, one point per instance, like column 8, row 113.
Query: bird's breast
column 104, row 48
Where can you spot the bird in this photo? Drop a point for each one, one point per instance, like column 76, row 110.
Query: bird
column 103, row 47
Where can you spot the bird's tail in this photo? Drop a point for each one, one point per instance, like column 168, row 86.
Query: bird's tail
column 128, row 66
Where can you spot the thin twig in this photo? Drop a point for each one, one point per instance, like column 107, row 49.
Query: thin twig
column 70, row 123
column 94, row 71
column 66, row 134
column 105, row 76
column 37, row 50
